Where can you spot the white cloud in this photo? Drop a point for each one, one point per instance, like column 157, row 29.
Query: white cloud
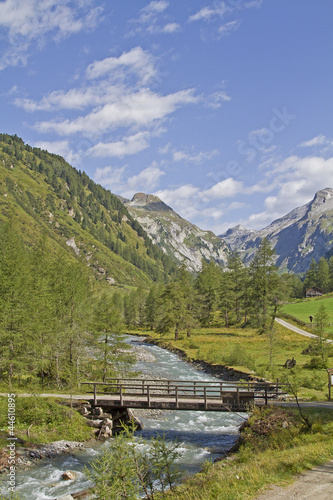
column 25, row 22
column 194, row 158
column 115, row 178
column 136, row 60
column 319, row 140
column 61, row 148
column 127, row 146
column 149, row 13
column 207, row 13
column 95, row 95
column 171, row 28
column 224, row 189
column 111, row 177
column 139, row 109
column 153, row 20
column 227, row 28
column 216, row 99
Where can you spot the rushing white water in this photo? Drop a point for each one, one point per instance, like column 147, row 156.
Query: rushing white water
column 200, row 435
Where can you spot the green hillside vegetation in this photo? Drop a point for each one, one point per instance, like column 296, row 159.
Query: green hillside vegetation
column 48, row 196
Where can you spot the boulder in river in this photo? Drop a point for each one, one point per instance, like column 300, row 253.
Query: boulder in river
column 69, row 475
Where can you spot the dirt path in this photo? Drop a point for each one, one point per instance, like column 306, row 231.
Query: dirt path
column 295, row 328
column 298, row 330
column 316, row 484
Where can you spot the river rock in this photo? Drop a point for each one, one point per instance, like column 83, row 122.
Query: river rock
column 97, row 423
column 65, row 497
column 108, row 422
column 97, row 411
column 69, row 475
column 106, row 431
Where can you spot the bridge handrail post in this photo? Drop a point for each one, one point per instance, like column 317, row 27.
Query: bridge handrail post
column 238, row 400
column 148, row 396
column 95, row 395
column 221, row 389
column 121, row 394
column 168, row 386
column 205, row 397
column 266, row 396
column 277, row 388
column 195, row 388
column 176, row 392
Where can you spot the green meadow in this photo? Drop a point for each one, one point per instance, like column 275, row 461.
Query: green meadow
column 303, row 309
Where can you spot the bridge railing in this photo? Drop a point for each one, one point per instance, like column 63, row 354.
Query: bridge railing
column 180, row 389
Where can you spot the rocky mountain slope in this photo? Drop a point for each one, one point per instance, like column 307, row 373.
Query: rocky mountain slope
column 298, row 237
column 174, row 235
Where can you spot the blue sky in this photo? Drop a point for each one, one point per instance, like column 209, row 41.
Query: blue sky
column 221, row 108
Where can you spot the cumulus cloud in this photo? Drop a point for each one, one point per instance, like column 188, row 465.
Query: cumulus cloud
column 105, row 104
column 115, row 178
column 127, row 146
column 27, row 22
column 224, row 189
column 139, row 109
column 136, row 60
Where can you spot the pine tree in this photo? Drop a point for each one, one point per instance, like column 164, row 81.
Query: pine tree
column 177, row 306
column 207, row 285
column 263, row 279
column 311, row 275
column 323, row 275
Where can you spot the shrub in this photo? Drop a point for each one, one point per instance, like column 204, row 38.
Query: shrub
column 316, row 363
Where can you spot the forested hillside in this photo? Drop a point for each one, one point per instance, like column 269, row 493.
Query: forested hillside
column 48, row 196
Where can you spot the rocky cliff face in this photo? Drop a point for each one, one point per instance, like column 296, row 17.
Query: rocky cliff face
column 174, row 235
column 298, row 237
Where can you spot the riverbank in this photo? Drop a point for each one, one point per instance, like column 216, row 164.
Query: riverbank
column 275, row 448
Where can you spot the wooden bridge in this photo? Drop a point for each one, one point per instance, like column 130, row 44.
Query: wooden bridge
column 182, row 394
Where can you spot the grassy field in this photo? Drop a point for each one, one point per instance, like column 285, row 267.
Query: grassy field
column 303, row 309
column 41, row 420
column 249, row 352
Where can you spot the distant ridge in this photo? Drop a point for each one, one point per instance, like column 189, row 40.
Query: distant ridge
column 303, row 234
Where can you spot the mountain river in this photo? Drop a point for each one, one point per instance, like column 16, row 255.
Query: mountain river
column 201, row 435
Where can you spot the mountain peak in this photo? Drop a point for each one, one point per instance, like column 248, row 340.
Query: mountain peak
column 149, row 202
